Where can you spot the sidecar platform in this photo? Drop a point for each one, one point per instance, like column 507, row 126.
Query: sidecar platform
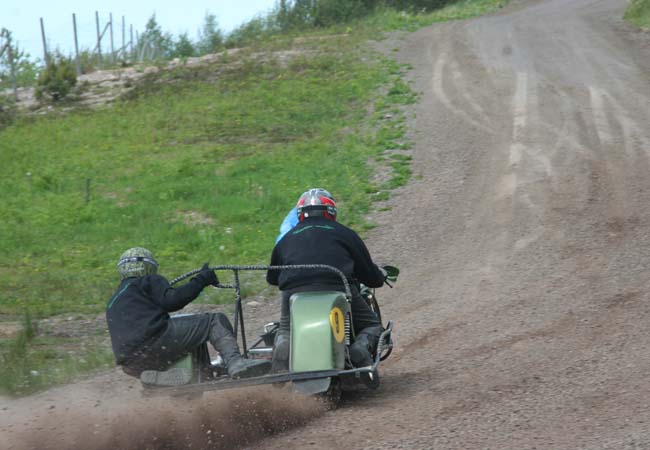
column 369, row 373
column 304, row 382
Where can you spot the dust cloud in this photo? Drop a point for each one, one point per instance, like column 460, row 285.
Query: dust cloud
column 218, row 420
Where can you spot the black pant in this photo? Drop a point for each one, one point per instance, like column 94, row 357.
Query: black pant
column 183, row 335
column 362, row 316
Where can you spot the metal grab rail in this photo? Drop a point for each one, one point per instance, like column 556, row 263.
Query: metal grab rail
column 236, row 269
column 239, row 311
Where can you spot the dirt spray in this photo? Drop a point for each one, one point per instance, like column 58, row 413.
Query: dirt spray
column 219, row 420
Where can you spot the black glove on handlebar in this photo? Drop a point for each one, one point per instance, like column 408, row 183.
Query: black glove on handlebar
column 207, row 277
column 384, row 272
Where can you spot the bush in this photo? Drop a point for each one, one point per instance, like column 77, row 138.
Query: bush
column 88, row 61
column 638, row 12
column 332, row 12
column 7, row 110
column 58, row 78
column 420, row 6
column 254, row 30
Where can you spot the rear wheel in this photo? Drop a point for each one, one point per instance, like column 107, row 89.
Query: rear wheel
column 333, row 394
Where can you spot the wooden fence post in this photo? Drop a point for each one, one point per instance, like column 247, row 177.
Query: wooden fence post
column 99, row 39
column 110, row 15
column 123, row 40
column 137, row 46
column 131, row 45
column 46, row 56
column 76, row 44
column 12, row 64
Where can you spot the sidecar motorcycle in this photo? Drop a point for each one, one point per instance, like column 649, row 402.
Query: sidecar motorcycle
column 321, row 334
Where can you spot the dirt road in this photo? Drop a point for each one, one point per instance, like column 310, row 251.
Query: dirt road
column 522, row 313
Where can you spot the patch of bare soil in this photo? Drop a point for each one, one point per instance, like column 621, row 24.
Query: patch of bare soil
column 10, row 329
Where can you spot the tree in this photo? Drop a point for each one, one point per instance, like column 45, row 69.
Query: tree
column 25, row 70
column 154, row 44
column 183, row 47
column 331, row 12
column 298, row 14
column 283, row 15
column 302, row 13
column 211, row 38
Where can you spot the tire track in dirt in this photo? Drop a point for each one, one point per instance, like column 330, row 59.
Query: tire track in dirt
column 438, row 83
column 521, row 312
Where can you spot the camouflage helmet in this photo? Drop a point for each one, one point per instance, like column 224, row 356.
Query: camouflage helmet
column 136, row 262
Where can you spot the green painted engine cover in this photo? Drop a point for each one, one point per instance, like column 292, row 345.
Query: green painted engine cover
column 318, row 330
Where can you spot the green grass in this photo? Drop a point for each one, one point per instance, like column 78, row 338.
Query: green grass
column 391, row 20
column 31, row 361
column 197, row 171
column 32, row 364
column 197, row 165
column 638, row 13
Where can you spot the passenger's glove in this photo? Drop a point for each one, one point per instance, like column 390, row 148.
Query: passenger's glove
column 207, row 277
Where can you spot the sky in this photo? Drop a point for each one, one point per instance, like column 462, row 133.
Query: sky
column 21, row 17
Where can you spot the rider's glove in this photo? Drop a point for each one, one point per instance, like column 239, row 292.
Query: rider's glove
column 207, row 277
column 383, row 272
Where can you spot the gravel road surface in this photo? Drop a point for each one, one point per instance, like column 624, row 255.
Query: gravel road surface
column 522, row 313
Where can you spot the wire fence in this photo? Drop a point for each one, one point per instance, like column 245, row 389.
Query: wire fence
column 100, row 42
column 107, row 41
column 96, row 43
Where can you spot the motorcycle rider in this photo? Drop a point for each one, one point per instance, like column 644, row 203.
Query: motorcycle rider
column 147, row 341
column 319, row 239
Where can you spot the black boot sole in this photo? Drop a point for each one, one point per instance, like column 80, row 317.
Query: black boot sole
column 252, row 370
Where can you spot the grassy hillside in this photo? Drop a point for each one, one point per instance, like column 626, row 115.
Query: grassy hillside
column 639, row 13
column 196, row 165
column 193, row 170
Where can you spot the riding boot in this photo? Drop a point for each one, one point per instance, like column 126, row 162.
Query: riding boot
column 281, row 348
column 238, row 366
column 364, row 346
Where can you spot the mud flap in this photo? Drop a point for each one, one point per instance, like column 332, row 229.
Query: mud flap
column 312, row 387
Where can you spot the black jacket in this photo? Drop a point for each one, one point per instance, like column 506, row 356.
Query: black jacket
column 317, row 240
column 139, row 310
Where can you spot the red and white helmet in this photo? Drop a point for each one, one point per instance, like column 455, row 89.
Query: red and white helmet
column 316, row 202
